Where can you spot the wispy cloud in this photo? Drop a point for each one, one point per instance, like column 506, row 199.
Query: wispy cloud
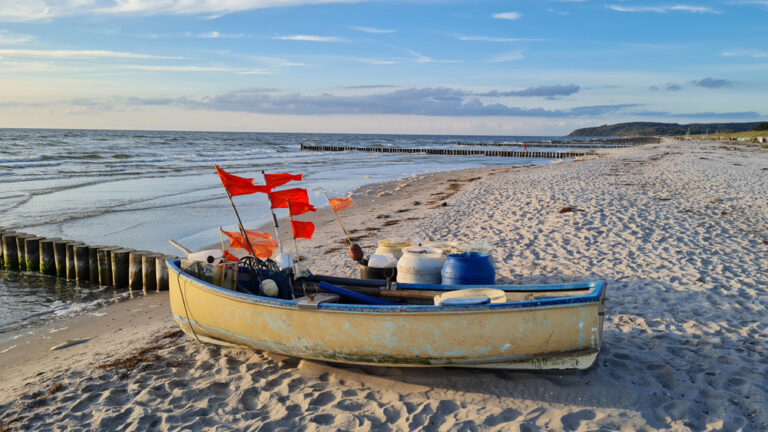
column 311, row 38
column 507, row 15
column 215, row 35
column 437, row 101
column 557, row 12
column 368, row 87
column 541, row 91
column 373, row 30
column 712, row 83
column 9, row 38
column 495, row 39
column 161, row 68
column 506, row 57
column 46, row 10
column 663, row 9
column 746, row 53
column 66, row 54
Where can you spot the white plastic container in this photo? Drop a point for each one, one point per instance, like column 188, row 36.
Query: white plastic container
column 448, row 247
column 206, row 256
column 394, row 246
column 420, row 265
column 385, row 260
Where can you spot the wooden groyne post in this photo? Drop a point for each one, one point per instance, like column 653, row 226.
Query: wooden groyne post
column 10, row 253
column 60, row 257
column 120, row 261
column 104, row 259
column 32, row 253
column 82, row 262
column 135, row 269
column 21, row 248
column 47, row 256
column 161, row 272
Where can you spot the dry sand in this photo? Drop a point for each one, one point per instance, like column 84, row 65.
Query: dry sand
column 679, row 230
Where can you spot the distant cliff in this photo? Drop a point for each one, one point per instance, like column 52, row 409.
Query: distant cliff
column 654, row 129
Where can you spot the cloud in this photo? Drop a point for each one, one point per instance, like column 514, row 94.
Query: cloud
column 310, row 38
column 558, row 12
column 542, row 91
column 672, row 87
column 369, row 86
column 506, row 57
column 496, row 39
column 712, row 83
column 216, row 35
column 8, row 38
column 67, row 54
column 46, row 10
column 746, row 53
column 663, row 9
column 373, row 30
column 739, row 115
column 155, row 68
column 431, row 101
column 507, row 15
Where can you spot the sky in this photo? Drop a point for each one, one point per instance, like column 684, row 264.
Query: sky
column 510, row 67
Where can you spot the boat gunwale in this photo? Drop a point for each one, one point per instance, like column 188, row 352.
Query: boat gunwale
column 595, row 296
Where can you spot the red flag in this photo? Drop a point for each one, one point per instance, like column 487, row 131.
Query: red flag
column 275, row 180
column 239, row 185
column 295, row 196
column 302, row 229
column 338, row 204
column 236, row 239
column 229, row 257
column 299, row 208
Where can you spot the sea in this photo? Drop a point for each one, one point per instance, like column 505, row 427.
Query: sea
column 138, row 189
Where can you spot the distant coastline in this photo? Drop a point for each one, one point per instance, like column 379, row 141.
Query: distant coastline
column 662, row 129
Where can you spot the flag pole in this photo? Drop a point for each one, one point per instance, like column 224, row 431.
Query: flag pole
column 295, row 243
column 240, row 223
column 274, row 218
column 338, row 218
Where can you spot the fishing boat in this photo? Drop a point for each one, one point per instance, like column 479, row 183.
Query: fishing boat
column 539, row 327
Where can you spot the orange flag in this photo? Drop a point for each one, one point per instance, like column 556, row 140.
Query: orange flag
column 275, row 180
column 302, row 229
column 236, row 239
column 338, row 204
column 239, row 185
column 299, row 208
column 295, row 196
column 229, row 257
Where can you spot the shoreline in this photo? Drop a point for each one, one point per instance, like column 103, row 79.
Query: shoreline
column 677, row 229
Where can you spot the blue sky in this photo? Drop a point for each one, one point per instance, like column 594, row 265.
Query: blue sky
column 432, row 66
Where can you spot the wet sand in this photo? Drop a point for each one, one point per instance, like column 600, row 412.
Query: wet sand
column 678, row 230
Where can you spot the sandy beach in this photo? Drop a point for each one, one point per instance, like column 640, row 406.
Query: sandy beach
column 679, row 230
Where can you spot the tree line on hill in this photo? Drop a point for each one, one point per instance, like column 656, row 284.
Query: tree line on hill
column 656, row 129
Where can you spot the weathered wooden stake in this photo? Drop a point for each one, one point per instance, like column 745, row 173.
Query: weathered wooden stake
column 10, row 253
column 134, row 269
column 32, row 253
column 120, row 258
column 2, row 260
column 60, row 257
column 161, row 273
column 47, row 257
column 82, row 264
column 71, row 265
column 21, row 250
column 93, row 263
column 148, row 273
column 104, row 256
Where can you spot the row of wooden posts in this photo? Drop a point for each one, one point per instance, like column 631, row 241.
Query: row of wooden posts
column 104, row 265
column 451, row 152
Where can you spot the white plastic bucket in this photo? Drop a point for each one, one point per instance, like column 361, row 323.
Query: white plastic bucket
column 420, row 265
column 394, row 246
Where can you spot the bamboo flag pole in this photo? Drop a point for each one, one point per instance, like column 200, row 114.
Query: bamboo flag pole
column 338, row 219
column 240, row 223
column 295, row 243
column 274, row 218
column 221, row 233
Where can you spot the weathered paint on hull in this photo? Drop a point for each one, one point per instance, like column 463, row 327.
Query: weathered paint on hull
column 546, row 335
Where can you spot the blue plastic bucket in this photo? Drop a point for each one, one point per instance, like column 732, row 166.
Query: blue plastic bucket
column 468, row 268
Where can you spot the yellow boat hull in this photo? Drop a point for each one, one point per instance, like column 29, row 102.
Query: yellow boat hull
column 547, row 333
